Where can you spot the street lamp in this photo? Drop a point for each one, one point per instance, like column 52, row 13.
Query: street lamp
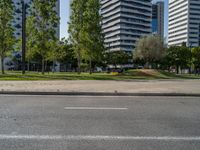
column 23, row 37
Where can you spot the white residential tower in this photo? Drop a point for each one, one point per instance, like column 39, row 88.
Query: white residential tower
column 124, row 22
column 184, row 23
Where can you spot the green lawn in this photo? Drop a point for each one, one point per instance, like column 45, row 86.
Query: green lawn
column 128, row 75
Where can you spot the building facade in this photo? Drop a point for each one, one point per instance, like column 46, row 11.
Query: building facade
column 17, row 23
column 124, row 22
column 184, row 23
column 158, row 19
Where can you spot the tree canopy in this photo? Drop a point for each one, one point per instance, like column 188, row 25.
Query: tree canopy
column 43, row 19
column 91, row 33
column 196, row 56
column 75, row 28
column 7, row 39
column 149, row 48
column 179, row 56
column 85, row 31
column 118, row 58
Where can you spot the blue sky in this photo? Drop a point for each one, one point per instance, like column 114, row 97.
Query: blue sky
column 64, row 14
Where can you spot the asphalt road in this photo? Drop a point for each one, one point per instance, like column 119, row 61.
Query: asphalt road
column 99, row 123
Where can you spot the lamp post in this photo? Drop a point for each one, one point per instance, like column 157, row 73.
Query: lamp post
column 23, row 37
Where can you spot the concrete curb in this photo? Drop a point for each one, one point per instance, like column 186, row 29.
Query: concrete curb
column 97, row 93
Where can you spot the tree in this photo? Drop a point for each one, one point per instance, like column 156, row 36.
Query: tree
column 178, row 56
column 68, row 56
column 196, row 57
column 31, row 39
column 91, row 33
column 118, row 58
column 6, row 30
column 61, row 51
column 75, row 27
column 54, row 53
column 44, row 19
column 150, row 49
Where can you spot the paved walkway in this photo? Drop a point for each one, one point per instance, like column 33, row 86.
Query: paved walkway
column 168, row 86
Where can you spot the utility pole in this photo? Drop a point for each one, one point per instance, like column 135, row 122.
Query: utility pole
column 23, row 37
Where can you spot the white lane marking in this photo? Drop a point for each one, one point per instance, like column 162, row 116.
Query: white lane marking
column 94, row 108
column 97, row 138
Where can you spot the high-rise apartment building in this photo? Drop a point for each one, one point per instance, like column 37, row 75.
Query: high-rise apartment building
column 184, row 22
column 158, row 19
column 124, row 22
column 17, row 23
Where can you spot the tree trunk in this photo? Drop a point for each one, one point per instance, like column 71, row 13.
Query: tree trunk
column 90, row 66
column 43, row 66
column 168, row 69
column 53, row 67
column 2, row 65
column 195, row 71
column 79, row 64
column 177, row 69
column 28, row 67
column 146, row 65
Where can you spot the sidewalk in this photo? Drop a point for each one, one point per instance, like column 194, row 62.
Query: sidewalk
column 123, row 87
